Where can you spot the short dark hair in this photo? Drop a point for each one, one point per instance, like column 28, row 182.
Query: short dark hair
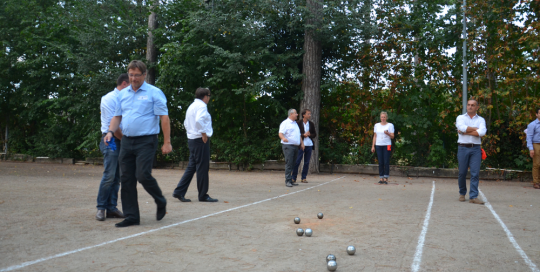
column 200, row 93
column 304, row 111
column 537, row 109
column 473, row 99
column 137, row 64
column 123, row 77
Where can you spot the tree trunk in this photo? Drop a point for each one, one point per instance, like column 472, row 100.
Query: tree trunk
column 151, row 52
column 311, row 83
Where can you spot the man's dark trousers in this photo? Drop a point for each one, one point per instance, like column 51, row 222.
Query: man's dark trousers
column 136, row 160
column 199, row 162
column 290, row 152
column 306, row 154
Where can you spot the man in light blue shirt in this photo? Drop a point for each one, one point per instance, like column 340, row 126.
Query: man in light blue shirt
column 110, row 182
column 140, row 107
column 533, row 143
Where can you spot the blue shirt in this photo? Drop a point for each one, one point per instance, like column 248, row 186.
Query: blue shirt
column 533, row 134
column 140, row 110
column 108, row 108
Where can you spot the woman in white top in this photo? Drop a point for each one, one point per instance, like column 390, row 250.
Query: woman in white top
column 382, row 142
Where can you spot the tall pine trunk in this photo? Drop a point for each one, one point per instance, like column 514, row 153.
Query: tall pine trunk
column 312, row 65
column 151, row 52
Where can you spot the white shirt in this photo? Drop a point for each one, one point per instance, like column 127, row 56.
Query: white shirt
column 463, row 121
column 383, row 139
column 198, row 120
column 307, row 140
column 108, row 108
column 291, row 131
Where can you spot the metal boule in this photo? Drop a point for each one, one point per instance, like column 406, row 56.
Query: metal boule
column 330, row 257
column 309, row 232
column 320, row 215
column 332, row 266
column 300, row 232
column 351, row 250
column 297, row 220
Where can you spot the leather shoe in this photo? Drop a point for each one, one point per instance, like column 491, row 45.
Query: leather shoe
column 462, row 198
column 288, row 184
column 126, row 223
column 209, row 199
column 181, row 198
column 115, row 214
column 294, row 184
column 476, row 201
column 160, row 213
column 304, row 181
column 100, row 215
column 536, row 186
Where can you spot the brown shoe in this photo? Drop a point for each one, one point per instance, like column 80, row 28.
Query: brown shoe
column 476, row 201
column 100, row 215
column 462, row 198
column 304, row 181
column 536, row 186
column 115, row 214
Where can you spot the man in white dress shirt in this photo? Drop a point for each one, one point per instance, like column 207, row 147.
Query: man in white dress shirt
column 471, row 128
column 289, row 133
column 198, row 124
column 110, row 182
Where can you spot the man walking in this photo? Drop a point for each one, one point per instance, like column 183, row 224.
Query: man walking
column 533, row 143
column 308, row 132
column 289, row 133
column 198, row 124
column 110, row 182
column 140, row 107
column 471, row 128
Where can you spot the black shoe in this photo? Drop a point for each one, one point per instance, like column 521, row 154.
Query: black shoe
column 126, row 223
column 115, row 214
column 381, row 181
column 294, row 184
column 384, row 182
column 160, row 213
column 209, row 199
column 181, row 198
column 288, row 184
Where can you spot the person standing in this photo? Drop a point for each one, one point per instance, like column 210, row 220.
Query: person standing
column 140, row 107
column 533, row 143
column 308, row 132
column 471, row 128
column 382, row 143
column 291, row 140
column 198, row 124
column 110, row 182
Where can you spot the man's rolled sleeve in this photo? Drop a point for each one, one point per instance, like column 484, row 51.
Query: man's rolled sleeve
column 201, row 120
column 460, row 124
column 160, row 103
column 530, row 130
column 482, row 129
column 118, row 110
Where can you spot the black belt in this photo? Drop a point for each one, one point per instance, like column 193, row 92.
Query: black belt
column 469, row 145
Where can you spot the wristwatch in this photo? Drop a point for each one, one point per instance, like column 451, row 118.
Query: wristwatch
column 112, row 132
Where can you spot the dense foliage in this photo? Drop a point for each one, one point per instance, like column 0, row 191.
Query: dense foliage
column 402, row 56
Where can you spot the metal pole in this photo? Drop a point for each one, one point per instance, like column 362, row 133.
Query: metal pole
column 464, row 59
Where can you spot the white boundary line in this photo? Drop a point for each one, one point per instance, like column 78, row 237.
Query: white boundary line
column 25, row 264
column 420, row 247
column 531, row 265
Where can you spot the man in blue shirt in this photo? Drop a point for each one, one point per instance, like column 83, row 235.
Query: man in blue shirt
column 140, row 107
column 110, row 182
column 533, row 143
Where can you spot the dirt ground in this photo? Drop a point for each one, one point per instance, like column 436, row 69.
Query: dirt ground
column 47, row 210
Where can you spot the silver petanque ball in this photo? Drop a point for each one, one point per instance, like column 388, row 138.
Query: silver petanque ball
column 330, row 257
column 351, row 250
column 300, row 232
column 320, row 215
column 297, row 220
column 309, row 232
column 332, row 266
